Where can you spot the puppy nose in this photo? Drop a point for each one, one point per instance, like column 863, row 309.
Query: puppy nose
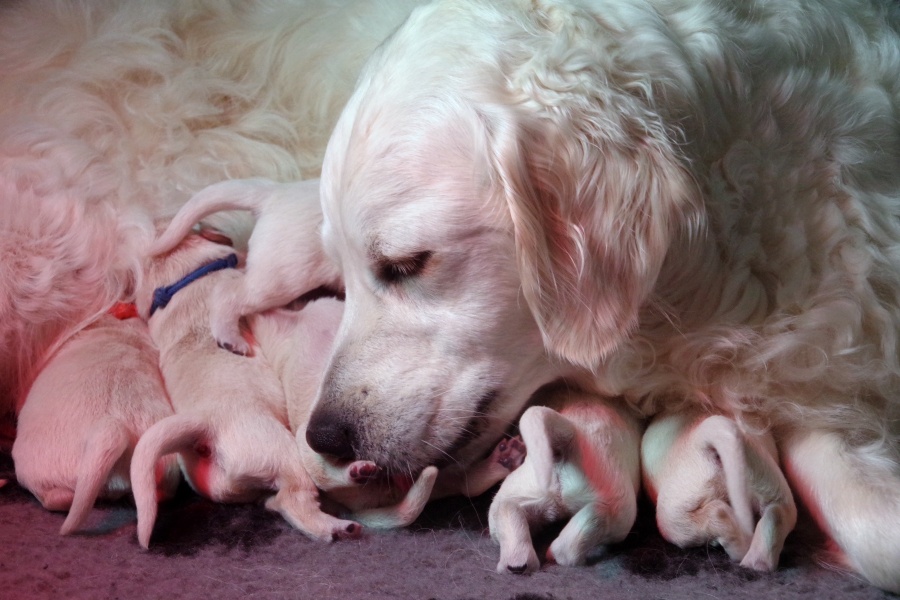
column 329, row 435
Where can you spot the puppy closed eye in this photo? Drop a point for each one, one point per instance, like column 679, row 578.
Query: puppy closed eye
column 396, row 270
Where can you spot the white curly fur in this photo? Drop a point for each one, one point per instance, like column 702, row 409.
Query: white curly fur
column 111, row 106
column 695, row 202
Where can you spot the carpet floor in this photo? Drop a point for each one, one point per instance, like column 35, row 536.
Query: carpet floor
column 209, row 551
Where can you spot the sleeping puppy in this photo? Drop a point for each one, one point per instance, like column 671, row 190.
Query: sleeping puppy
column 582, row 465
column 711, row 482
column 230, row 427
column 297, row 344
column 83, row 415
column 284, row 244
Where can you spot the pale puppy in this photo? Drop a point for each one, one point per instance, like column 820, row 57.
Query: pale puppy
column 582, row 468
column 83, row 415
column 230, row 427
column 712, row 482
column 284, row 252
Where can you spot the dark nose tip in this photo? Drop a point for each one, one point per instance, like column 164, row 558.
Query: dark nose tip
column 329, row 435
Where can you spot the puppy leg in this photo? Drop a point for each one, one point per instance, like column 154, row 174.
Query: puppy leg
column 856, row 502
column 102, row 450
column 510, row 528
column 55, row 499
column 407, row 511
column 299, row 505
column 778, row 512
column 229, row 304
column 506, row 457
column 547, row 434
column 776, row 522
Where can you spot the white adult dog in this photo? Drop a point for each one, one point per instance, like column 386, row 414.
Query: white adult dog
column 677, row 203
column 711, row 482
column 583, row 465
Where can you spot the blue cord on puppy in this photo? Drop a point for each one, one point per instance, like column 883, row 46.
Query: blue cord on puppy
column 162, row 295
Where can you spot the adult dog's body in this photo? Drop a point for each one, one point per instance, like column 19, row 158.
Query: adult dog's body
column 695, row 202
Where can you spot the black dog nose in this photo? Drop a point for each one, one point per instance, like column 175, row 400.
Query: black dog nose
column 329, row 435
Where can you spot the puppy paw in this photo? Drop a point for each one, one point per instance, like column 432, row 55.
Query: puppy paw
column 520, row 561
column 510, row 453
column 758, row 562
column 363, row 471
column 346, row 530
column 562, row 553
column 241, row 348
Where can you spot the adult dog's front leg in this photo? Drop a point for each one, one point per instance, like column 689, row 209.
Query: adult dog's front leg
column 855, row 500
column 778, row 513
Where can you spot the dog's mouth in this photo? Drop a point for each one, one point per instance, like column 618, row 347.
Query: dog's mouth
column 473, row 429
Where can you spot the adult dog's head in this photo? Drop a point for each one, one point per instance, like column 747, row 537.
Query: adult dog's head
column 500, row 195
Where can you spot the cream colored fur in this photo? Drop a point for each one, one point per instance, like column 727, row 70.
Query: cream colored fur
column 711, row 482
column 582, row 468
column 696, row 203
column 298, row 343
column 83, row 416
column 230, row 428
column 113, row 112
column 284, row 256
column 676, row 202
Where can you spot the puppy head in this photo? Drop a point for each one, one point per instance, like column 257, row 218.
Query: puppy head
column 482, row 213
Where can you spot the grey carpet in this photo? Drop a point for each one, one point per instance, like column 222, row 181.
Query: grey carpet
column 203, row 550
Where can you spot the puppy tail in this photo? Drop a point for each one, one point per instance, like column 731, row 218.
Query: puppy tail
column 404, row 513
column 170, row 435
column 236, row 194
column 103, row 450
column 721, row 435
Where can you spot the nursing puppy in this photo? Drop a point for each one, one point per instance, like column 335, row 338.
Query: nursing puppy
column 711, row 482
column 284, row 252
column 297, row 343
column 83, row 415
column 582, row 466
column 230, row 428
column 676, row 203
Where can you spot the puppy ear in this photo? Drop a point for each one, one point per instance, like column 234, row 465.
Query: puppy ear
column 595, row 193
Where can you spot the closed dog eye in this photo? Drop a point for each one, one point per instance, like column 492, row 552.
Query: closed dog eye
column 390, row 271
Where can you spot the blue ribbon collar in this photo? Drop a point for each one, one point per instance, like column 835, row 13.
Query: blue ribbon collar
column 163, row 295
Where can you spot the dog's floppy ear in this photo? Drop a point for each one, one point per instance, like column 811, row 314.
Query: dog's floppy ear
column 596, row 189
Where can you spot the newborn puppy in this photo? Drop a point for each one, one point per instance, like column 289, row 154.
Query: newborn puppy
column 230, row 428
column 711, row 482
column 83, row 416
column 297, row 344
column 284, row 253
column 582, row 465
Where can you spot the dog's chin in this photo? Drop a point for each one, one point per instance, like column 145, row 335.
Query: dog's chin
column 464, row 447
column 474, row 430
